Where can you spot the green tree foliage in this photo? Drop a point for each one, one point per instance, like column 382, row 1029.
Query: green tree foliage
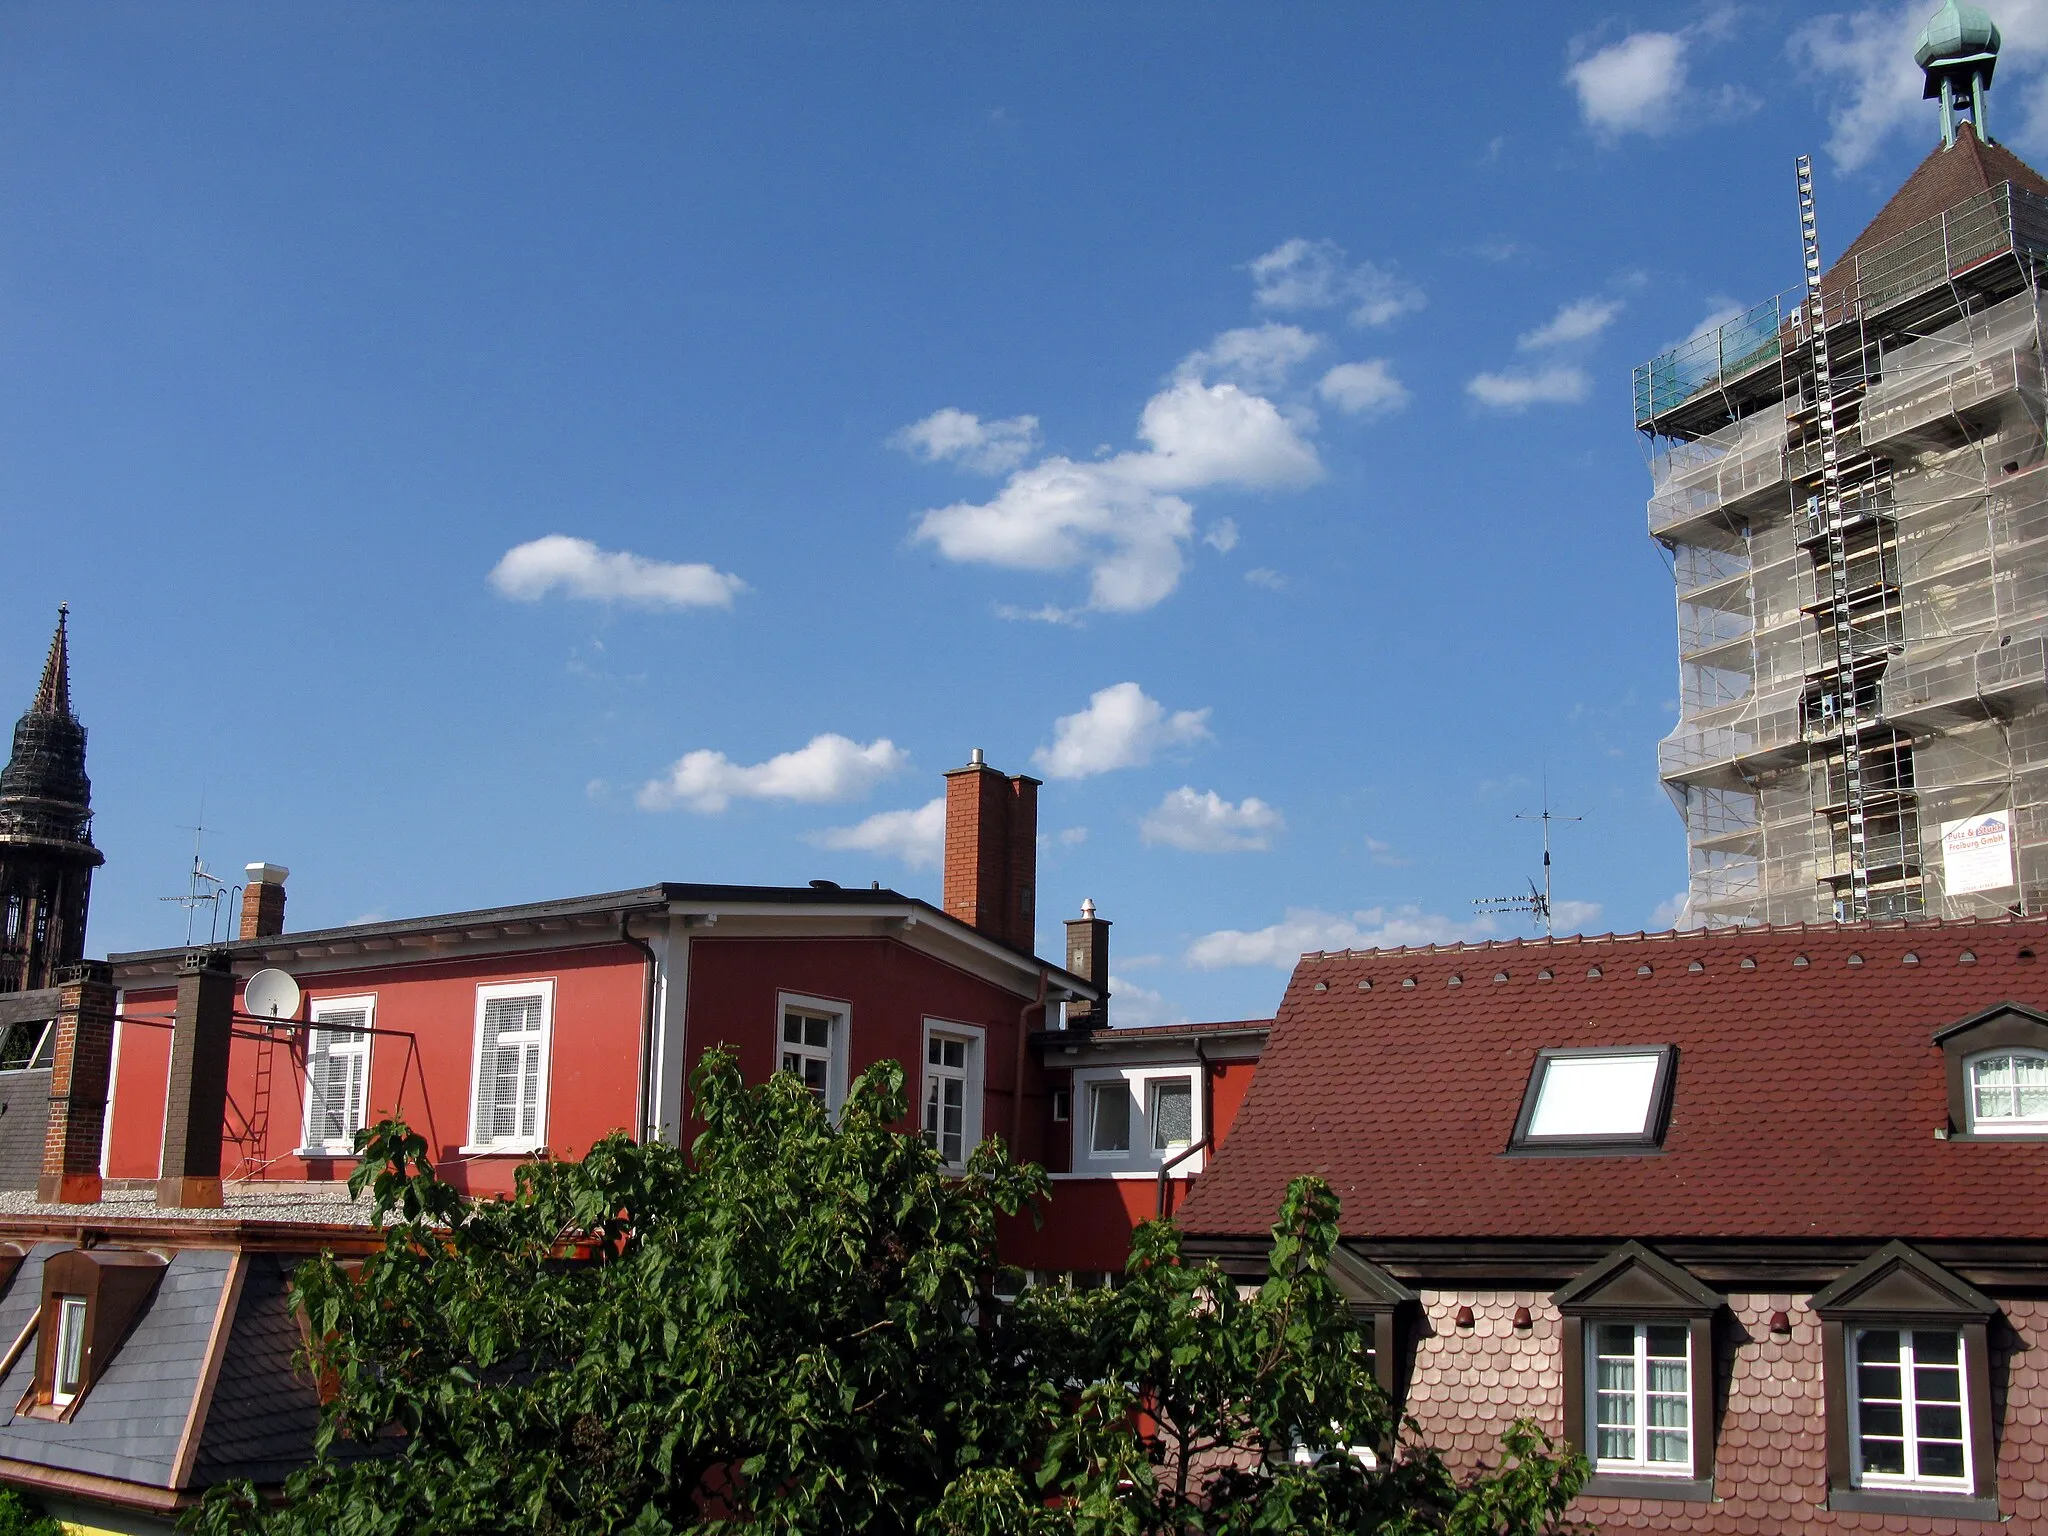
column 802, row 1327
column 18, row 1517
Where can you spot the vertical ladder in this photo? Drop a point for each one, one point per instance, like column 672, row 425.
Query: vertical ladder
column 1825, row 400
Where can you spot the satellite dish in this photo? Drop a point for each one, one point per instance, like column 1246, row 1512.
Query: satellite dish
column 271, row 994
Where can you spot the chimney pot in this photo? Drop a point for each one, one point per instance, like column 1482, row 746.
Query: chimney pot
column 1087, row 906
column 263, row 901
column 975, row 759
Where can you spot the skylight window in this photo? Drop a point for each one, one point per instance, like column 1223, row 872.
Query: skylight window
column 1611, row 1099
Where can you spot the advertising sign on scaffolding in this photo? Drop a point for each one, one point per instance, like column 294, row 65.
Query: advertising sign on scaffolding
column 1976, row 853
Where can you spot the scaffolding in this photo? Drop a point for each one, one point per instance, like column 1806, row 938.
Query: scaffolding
column 1852, row 482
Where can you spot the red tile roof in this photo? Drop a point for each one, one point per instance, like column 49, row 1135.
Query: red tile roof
column 1946, row 177
column 1806, row 1103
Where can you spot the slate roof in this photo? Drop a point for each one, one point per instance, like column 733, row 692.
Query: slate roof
column 1806, row 1099
column 130, row 1423
column 1946, row 177
column 264, row 1412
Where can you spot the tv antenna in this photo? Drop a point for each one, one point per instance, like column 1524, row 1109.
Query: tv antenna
column 201, row 889
column 1537, row 903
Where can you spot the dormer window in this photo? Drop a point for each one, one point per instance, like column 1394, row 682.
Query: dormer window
column 91, row 1298
column 1599, row 1099
column 2009, row 1092
column 1133, row 1120
column 67, row 1377
column 1997, row 1069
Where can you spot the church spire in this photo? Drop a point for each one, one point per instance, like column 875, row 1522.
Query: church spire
column 53, row 695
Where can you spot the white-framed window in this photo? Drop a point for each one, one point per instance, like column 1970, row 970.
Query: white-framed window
column 337, row 1074
column 952, row 1089
column 1909, row 1425
column 509, row 1093
column 811, row 1045
column 67, row 1377
column 2009, row 1092
column 1641, row 1402
column 1062, row 1105
column 30, row 1045
column 1133, row 1119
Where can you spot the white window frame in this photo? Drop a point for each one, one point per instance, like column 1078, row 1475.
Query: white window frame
column 544, row 988
column 2031, row 1125
column 973, row 1078
column 352, row 1045
column 1638, row 1465
column 840, row 1012
column 1910, row 1479
column 1142, row 1160
column 74, row 1317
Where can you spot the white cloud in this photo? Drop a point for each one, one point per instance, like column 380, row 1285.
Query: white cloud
column 828, row 767
column 1207, row 823
column 1134, row 1005
column 1577, row 321
column 1383, row 853
column 1307, row 928
column 1265, row 576
column 1519, row 391
column 1222, row 535
column 963, row 438
column 1866, row 56
column 917, row 837
column 1122, row 727
column 530, row 571
column 1259, row 357
column 1123, row 517
column 1670, row 913
column 1632, row 86
column 1316, row 274
column 1073, row 837
column 1363, row 389
column 1576, row 916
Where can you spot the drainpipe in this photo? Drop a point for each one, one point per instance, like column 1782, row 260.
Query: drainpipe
column 645, row 1106
column 1017, row 1082
column 1165, row 1205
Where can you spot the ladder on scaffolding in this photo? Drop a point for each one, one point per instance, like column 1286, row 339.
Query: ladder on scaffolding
column 1826, row 398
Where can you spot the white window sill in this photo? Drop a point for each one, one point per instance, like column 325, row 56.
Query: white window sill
column 503, row 1149
column 1184, row 1171
column 326, row 1154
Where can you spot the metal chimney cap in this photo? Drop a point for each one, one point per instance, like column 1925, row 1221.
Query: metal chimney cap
column 975, row 759
column 266, row 874
column 1088, row 906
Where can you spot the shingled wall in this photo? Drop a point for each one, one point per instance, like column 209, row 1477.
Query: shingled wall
column 1770, row 1464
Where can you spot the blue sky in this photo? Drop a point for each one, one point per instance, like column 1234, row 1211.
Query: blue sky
column 499, row 452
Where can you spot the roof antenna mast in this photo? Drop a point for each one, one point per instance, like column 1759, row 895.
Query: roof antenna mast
column 202, row 889
column 1537, row 903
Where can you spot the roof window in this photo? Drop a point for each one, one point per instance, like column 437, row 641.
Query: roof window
column 1600, row 1099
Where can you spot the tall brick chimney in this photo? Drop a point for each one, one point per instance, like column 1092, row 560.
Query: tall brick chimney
column 196, row 1098
column 263, row 900
column 1088, row 955
column 80, row 1070
column 992, row 851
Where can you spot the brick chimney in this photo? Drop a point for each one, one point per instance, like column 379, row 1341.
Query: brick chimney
column 263, row 900
column 992, row 851
column 1088, row 955
column 196, row 1099
column 80, row 1071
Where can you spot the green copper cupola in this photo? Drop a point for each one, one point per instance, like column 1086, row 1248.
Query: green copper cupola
column 1958, row 50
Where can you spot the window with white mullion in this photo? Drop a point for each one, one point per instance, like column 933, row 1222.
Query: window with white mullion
column 337, row 1074
column 1642, row 1397
column 807, row 1051
column 510, row 1111
column 1910, row 1425
column 945, row 1096
column 2009, row 1091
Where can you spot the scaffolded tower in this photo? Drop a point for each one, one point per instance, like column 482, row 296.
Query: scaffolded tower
column 1852, row 482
